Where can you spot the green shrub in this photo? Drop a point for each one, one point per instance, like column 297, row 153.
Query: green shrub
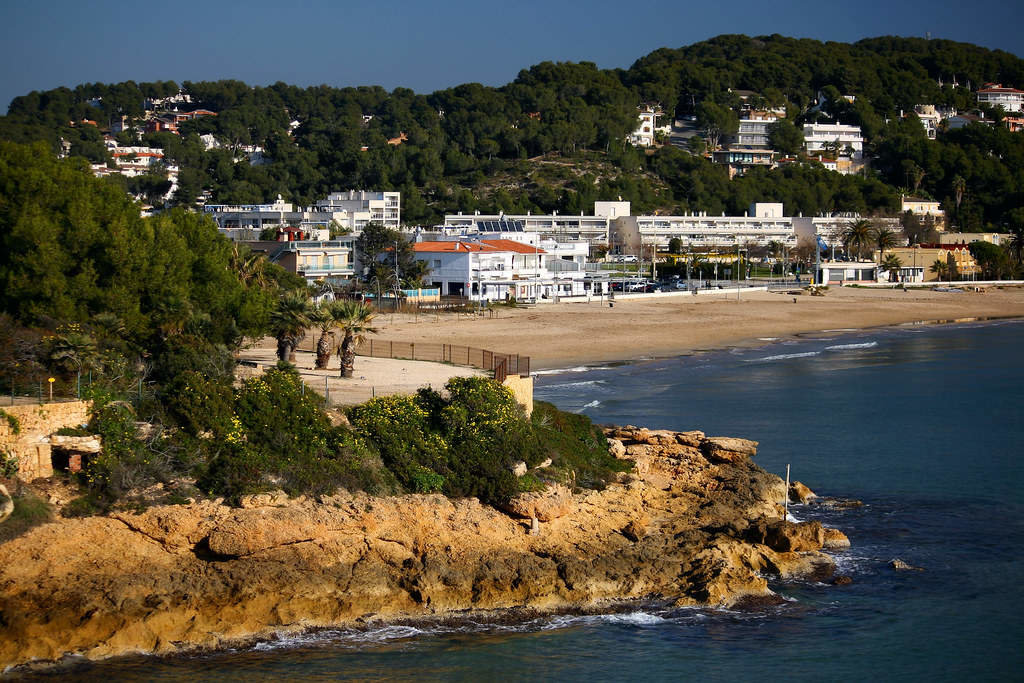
column 29, row 511
column 199, row 403
column 12, row 422
column 8, row 464
column 575, row 445
column 280, row 437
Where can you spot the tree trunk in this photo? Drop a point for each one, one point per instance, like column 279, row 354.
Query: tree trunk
column 348, row 357
column 283, row 348
column 323, row 351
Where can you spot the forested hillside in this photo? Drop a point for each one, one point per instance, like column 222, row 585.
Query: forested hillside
column 553, row 139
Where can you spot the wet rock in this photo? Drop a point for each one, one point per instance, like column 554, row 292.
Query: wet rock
column 835, row 540
column 839, row 503
column 842, row 581
column 799, row 493
column 783, row 536
column 901, row 566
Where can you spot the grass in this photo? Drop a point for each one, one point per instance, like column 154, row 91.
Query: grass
column 29, row 511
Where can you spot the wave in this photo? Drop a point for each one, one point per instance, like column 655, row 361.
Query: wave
column 845, row 347
column 784, row 356
column 585, row 383
column 578, row 368
column 592, row 404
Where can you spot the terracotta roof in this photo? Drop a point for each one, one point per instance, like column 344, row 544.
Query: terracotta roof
column 488, row 246
column 997, row 88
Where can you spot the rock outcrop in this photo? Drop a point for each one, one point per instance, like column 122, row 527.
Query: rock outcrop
column 694, row 523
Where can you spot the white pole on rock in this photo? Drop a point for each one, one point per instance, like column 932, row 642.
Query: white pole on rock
column 786, row 518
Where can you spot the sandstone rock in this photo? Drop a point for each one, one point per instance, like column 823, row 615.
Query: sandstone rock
column 546, row 505
column 261, row 529
column 799, row 493
column 80, row 444
column 783, row 536
column 807, row 566
column 692, row 439
column 835, row 540
column 616, row 448
column 637, row 528
column 519, row 469
column 546, row 463
column 257, row 500
column 6, row 504
column 901, row 566
column 728, row 449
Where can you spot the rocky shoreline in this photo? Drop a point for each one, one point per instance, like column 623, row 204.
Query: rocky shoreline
column 694, row 523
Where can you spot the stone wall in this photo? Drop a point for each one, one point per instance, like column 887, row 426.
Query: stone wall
column 522, row 389
column 31, row 444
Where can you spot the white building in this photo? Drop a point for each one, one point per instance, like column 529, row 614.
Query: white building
column 923, row 207
column 349, row 211
column 643, row 136
column 818, row 137
column 830, row 228
column 365, row 207
column 495, row 269
column 563, row 228
column 995, row 95
column 929, row 118
column 763, row 223
column 753, row 130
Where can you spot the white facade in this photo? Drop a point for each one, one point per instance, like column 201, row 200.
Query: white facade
column 346, row 210
column 643, row 136
column 817, row 136
column 365, row 207
column 829, row 228
column 929, row 119
column 763, row 223
column 753, row 131
column 593, row 229
column 995, row 95
column 496, row 269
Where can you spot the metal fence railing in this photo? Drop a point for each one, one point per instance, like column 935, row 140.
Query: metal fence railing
column 499, row 363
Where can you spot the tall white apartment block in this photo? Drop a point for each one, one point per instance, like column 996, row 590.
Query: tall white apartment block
column 753, row 131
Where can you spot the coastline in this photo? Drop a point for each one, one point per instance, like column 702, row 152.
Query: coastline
column 565, row 335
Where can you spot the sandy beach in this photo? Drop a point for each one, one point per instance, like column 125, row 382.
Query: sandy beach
column 569, row 334
column 566, row 334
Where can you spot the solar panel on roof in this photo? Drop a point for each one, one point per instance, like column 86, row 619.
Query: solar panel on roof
column 500, row 226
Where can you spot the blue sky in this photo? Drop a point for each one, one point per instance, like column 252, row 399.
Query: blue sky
column 424, row 46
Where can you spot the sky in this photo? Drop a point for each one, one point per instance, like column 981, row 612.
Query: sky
column 425, row 46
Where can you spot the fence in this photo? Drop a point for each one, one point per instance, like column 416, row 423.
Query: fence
column 501, row 364
column 40, row 390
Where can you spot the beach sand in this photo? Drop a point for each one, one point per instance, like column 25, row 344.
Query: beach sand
column 578, row 333
column 566, row 334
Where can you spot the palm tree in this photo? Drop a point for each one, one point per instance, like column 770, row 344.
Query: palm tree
column 289, row 321
column 250, row 266
column 354, row 318
column 857, row 236
column 73, row 350
column 892, row 264
column 884, row 238
column 940, row 268
column 325, row 317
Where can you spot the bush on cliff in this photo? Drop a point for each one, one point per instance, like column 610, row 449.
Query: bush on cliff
column 576, row 446
column 466, row 444
column 280, row 437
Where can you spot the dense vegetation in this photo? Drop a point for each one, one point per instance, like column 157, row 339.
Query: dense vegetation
column 476, row 147
column 152, row 310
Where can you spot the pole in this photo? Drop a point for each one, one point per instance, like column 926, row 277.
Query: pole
column 327, row 390
column 786, row 501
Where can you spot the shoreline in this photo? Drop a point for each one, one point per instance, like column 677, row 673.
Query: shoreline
column 567, row 335
column 768, row 341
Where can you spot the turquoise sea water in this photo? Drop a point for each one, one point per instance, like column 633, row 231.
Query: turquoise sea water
column 922, row 423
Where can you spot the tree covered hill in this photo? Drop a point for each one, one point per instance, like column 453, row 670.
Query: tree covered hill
column 478, row 147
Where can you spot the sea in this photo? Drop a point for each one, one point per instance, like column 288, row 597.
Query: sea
column 923, row 423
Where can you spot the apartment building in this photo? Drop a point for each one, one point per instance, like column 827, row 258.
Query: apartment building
column 762, row 224
column 364, row 207
column 995, row 95
column 823, row 138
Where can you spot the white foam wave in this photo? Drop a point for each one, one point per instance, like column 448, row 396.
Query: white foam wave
column 592, row 404
column 784, row 356
column 586, row 383
column 628, row 618
column 578, row 368
column 845, row 347
column 767, row 338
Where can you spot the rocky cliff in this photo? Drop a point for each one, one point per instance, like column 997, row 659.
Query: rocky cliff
column 695, row 523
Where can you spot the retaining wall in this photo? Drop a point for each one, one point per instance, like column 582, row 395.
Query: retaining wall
column 36, row 423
